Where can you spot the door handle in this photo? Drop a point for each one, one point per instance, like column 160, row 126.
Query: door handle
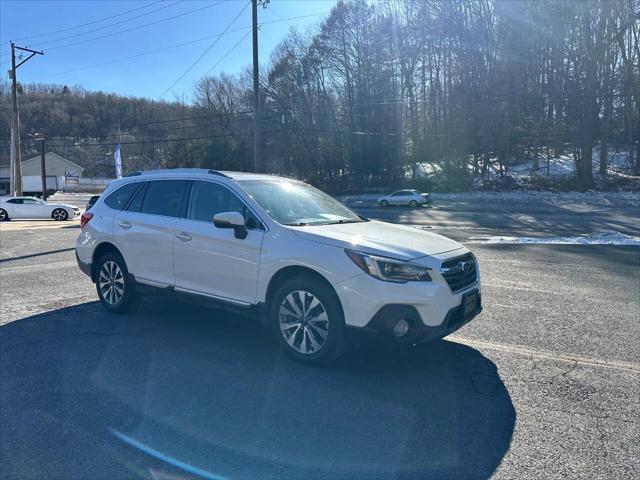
column 185, row 237
column 125, row 225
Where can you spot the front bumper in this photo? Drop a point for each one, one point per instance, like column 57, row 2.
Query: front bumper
column 385, row 319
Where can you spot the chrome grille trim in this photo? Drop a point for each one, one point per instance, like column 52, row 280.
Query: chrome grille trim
column 460, row 272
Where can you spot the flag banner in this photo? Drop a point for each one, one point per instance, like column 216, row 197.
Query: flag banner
column 118, row 162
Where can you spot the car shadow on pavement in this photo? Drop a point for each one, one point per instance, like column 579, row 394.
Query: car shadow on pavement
column 192, row 392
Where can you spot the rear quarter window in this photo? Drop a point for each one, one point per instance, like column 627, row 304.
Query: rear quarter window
column 118, row 199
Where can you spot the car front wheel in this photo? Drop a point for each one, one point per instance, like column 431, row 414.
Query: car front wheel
column 384, row 203
column 59, row 214
column 4, row 216
column 308, row 321
column 115, row 289
column 413, row 204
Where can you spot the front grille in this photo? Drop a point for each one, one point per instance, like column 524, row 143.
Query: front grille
column 454, row 272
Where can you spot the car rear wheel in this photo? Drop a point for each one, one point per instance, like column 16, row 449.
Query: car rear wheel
column 307, row 319
column 115, row 289
column 59, row 214
column 384, row 203
column 4, row 216
column 413, row 204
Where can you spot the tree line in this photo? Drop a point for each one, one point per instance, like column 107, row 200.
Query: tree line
column 380, row 93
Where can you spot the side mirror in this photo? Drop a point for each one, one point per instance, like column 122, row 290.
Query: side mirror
column 233, row 220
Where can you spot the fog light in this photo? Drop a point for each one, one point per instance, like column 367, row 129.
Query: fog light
column 401, row 328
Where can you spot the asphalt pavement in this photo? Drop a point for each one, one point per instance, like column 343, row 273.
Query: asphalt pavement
column 545, row 383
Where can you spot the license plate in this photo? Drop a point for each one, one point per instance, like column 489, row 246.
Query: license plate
column 470, row 302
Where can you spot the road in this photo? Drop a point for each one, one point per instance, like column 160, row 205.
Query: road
column 545, row 383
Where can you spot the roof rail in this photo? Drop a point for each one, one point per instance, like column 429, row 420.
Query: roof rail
column 178, row 170
column 220, row 174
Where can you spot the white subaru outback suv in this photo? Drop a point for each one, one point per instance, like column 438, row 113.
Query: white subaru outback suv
column 306, row 265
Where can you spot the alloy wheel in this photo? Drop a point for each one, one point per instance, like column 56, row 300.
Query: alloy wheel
column 304, row 323
column 3, row 215
column 111, row 282
column 59, row 214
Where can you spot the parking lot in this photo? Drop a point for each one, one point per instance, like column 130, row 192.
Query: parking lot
column 545, row 383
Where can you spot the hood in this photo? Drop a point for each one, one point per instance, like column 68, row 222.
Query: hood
column 379, row 238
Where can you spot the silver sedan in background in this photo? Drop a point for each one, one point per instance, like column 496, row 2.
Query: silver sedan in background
column 411, row 198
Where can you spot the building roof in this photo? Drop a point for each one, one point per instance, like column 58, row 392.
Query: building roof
column 51, row 154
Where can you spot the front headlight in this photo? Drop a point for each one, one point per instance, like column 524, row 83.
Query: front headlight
column 388, row 269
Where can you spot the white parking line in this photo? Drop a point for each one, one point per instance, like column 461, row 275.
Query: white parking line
column 592, row 362
column 39, row 266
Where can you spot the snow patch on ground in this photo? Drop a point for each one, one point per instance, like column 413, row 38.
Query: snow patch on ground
column 600, row 238
column 524, row 196
column 518, row 196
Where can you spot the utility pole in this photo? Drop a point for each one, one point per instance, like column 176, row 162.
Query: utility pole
column 256, row 89
column 16, row 167
column 257, row 144
column 41, row 137
column 43, row 168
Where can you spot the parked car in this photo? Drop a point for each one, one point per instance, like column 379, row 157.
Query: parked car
column 411, row 198
column 305, row 264
column 31, row 207
column 92, row 201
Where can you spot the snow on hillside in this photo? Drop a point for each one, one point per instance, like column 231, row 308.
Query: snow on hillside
column 565, row 165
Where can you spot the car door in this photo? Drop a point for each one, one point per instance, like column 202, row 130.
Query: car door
column 144, row 230
column 30, row 208
column 211, row 260
column 399, row 198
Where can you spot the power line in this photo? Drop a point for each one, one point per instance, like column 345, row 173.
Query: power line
column 158, row 50
column 86, row 24
column 211, row 45
column 166, row 5
column 207, row 116
column 228, row 52
column 146, row 142
column 137, row 26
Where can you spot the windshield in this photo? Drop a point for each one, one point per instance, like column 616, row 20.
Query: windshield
column 296, row 203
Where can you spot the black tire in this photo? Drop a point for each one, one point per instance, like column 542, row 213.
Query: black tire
column 127, row 300
column 332, row 345
column 60, row 214
column 4, row 216
column 384, row 203
column 413, row 204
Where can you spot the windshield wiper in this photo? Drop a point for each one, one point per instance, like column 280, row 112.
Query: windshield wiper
column 297, row 224
column 334, row 222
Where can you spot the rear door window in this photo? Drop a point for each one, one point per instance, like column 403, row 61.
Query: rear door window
column 119, row 198
column 164, row 197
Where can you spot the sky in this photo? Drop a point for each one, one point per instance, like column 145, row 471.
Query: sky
column 82, row 33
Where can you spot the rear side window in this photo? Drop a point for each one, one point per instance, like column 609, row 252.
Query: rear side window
column 119, row 198
column 164, row 197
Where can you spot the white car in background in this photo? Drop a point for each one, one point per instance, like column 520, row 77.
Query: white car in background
column 31, row 207
column 306, row 265
column 411, row 198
